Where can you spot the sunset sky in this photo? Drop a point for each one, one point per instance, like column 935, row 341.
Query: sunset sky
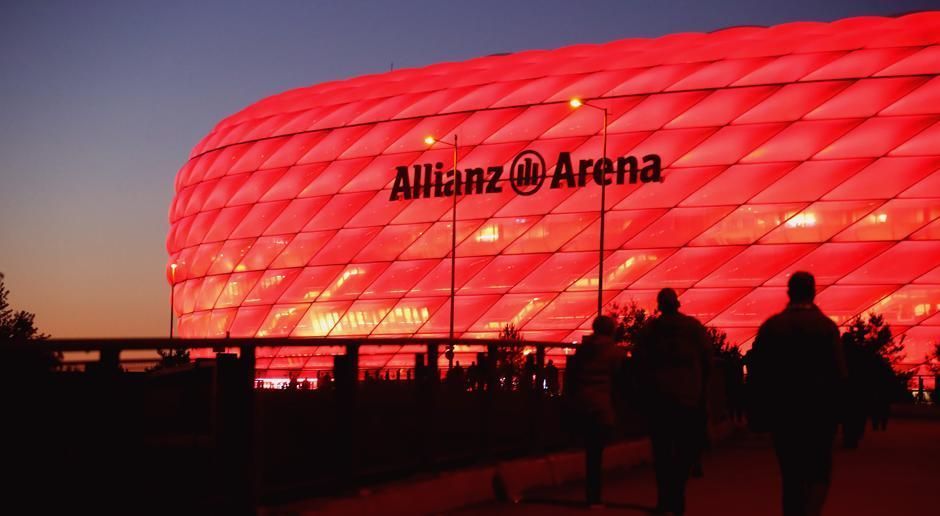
column 101, row 102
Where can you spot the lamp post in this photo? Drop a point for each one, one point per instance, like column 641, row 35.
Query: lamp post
column 430, row 140
column 577, row 103
column 172, row 292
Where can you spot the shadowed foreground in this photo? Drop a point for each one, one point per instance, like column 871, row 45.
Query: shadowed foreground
column 893, row 472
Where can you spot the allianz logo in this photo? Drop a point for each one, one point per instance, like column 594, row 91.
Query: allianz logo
column 527, row 174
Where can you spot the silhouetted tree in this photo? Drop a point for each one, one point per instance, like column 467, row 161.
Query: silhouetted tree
column 722, row 348
column 631, row 319
column 874, row 336
column 872, row 351
column 728, row 372
column 18, row 327
column 510, row 333
column 171, row 358
column 510, row 357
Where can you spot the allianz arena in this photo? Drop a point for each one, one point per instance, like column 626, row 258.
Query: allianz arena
column 736, row 158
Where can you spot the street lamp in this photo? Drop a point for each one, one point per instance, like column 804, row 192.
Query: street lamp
column 172, row 291
column 576, row 103
column 430, row 140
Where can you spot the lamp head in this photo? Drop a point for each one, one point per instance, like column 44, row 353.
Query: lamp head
column 575, row 103
column 429, row 140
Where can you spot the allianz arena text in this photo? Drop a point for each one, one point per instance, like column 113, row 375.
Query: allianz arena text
column 733, row 158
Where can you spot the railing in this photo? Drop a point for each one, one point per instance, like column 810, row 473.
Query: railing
column 109, row 350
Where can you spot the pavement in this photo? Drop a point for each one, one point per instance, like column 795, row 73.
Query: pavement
column 891, row 473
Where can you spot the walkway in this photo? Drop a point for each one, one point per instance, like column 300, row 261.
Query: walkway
column 892, row 473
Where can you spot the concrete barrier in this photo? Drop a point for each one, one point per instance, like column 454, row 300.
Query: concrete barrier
column 514, row 477
column 628, row 455
column 433, row 495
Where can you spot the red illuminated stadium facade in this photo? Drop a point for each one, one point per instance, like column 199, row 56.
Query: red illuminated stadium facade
column 811, row 146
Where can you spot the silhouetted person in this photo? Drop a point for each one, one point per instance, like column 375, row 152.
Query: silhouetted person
column 936, row 389
column 551, row 378
column 697, row 470
column 527, row 380
column 753, row 413
column 673, row 363
column 856, row 393
column 883, row 391
column 797, row 370
column 734, row 387
column 305, row 385
column 589, row 387
column 455, row 377
column 473, row 375
column 292, row 384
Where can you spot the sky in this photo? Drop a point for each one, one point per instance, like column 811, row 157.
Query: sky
column 101, row 102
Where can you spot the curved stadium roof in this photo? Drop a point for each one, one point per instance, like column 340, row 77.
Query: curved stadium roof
column 801, row 146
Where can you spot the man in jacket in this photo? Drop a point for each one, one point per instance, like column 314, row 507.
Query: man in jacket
column 797, row 371
column 589, row 381
column 673, row 360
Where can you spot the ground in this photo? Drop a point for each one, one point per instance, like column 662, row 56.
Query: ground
column 892, row 473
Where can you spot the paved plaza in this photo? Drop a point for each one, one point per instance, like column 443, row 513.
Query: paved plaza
column 892, row 473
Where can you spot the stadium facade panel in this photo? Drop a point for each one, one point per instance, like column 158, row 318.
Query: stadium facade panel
column 736, row 158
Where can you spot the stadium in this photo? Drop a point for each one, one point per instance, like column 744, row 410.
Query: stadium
column 728, row 160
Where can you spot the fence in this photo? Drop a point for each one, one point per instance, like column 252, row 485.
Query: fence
column 203, row 435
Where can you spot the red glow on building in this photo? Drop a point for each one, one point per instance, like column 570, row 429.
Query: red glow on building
column 809, row 146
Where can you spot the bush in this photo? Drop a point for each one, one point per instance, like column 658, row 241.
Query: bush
column 510, row 357
column 17, row 328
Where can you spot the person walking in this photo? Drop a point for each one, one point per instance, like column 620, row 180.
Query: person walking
column 797, row 370
column 856, row 393
column 883, row 391
column 551, row 378
column 589, row 381
column 673, row 362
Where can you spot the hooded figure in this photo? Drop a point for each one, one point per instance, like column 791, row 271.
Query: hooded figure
column 673, row 361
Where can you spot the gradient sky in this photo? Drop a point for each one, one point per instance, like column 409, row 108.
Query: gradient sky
column 101, row 102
